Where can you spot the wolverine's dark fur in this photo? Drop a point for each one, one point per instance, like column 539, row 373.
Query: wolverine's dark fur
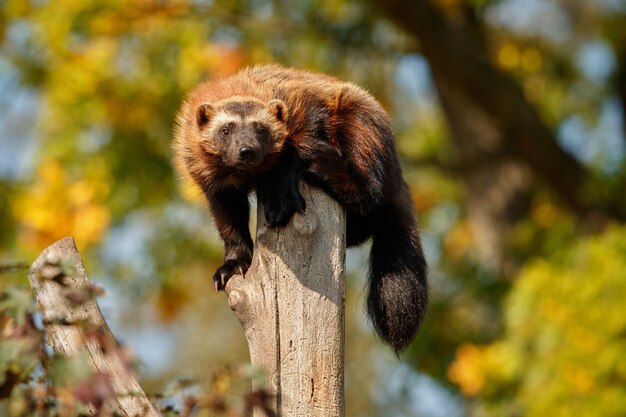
column 267, row 127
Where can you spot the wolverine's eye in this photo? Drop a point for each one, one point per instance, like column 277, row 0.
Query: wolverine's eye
column 225, row 131
column 261, row 130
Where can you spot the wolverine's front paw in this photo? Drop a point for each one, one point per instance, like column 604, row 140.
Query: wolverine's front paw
column 280, row 209
column 324, row 160
column 224, row 272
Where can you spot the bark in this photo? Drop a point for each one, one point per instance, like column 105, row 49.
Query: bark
column 73, row 322
column 291, row 307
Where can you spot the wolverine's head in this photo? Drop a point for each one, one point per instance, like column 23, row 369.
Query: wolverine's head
column 242, row 131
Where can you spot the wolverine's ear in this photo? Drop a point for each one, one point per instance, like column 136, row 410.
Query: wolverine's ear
column 278, row 109
column 204, row 114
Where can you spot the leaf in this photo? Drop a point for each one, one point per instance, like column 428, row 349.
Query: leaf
column 16, row 302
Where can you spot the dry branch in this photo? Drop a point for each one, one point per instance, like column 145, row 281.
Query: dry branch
column 72, row 318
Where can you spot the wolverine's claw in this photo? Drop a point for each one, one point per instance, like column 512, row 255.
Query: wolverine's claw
column 231, row 267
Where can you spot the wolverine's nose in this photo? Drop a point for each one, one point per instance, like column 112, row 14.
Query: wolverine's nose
column 248, row 153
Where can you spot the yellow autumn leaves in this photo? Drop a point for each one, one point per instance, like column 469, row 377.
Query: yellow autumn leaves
column 56, row 205
column 511, row 56
column 563, row 347
column 477, row 368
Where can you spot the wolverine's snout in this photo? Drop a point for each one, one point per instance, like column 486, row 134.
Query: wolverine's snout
column 244, row 155
column 249, row 153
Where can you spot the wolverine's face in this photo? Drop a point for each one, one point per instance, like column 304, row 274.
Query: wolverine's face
column 242, row 131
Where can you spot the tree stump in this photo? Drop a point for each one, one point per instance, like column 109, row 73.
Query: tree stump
column 291, row 307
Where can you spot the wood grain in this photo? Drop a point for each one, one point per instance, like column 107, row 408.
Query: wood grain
column 291, row 307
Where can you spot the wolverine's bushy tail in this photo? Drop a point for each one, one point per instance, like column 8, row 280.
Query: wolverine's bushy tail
column 398, row 290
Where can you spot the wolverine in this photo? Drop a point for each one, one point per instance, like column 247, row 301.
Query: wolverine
column 267, row 127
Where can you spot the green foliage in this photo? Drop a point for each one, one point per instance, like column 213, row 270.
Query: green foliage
column 16, row 302
column 108, row 77
column 562, row 352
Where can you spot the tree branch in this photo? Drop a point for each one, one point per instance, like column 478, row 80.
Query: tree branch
column 459, row 57
column 12, row 266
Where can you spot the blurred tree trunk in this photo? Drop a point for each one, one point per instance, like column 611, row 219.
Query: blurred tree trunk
column 498, row 186
column 503, row 146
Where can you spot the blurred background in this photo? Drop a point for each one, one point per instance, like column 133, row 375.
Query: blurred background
column 510, row 125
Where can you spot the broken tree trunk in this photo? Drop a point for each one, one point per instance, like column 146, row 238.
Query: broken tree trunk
column 291, row 307
column 73, row 322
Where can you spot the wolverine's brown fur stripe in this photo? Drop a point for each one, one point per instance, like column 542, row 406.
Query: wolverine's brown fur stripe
column 267, row 127
column 242, row 108
column 308, row 97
